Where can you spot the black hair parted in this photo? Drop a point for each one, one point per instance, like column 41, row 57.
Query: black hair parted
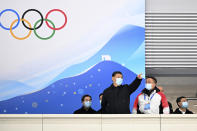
column 152, row 77
column 116, row 72
column 83, row 97
column 179, row 99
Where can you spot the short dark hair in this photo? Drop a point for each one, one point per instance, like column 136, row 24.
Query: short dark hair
column 155, row 80
column 179, row 99
column 116, row 72
column 83, row 97
column 100, row 94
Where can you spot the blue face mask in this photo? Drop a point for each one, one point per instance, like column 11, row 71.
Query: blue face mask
column 87, row 104
column 185, row 104
column 119, row 81
column 148, row 86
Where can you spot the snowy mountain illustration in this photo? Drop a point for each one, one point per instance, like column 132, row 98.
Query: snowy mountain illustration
column 64, row 95
column 119, row 48
column 125, row 48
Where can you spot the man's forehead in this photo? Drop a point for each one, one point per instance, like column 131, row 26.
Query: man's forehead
column 87, row 97
column 118, row 75
column 183, row 99
column 149, row 79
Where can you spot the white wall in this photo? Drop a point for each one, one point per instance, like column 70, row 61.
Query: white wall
column 127, row 122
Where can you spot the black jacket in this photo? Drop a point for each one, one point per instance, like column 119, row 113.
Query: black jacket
column 116, row 100
column 83, row 111
column 177, row 111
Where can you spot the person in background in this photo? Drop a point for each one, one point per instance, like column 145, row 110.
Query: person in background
column 150, row 99
column 86, row 106
column 100, row 100
column 116, row 98
column 169, row 103
column 182, row 106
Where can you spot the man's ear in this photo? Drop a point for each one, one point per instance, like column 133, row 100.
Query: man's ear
column 113, row 78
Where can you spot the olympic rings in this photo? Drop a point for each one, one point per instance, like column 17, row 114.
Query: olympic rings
column 60, row 12
column 38, row 13
column 11, row 10
column 42, row 37
column 35, row 27
column 20, row 38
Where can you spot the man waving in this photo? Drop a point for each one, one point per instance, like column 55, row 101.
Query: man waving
column 116, row 98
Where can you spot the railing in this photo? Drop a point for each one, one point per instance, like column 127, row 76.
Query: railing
column 97, row 122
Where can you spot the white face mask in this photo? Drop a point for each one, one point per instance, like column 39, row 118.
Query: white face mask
column 87, row 104
column 119, row 81
column 185, row 104
column 148, row 86
column 100, row 101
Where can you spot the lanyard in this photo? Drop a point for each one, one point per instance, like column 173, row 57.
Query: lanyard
column 150, row 98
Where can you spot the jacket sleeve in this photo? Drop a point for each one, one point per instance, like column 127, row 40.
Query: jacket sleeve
column 134, row 85
column 164, row 103
column 135, row 106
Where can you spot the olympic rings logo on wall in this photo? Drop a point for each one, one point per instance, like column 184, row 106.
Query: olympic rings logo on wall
column 36, row 26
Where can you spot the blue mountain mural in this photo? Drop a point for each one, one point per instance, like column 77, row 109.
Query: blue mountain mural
column 64, row 95
column 120, row 47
